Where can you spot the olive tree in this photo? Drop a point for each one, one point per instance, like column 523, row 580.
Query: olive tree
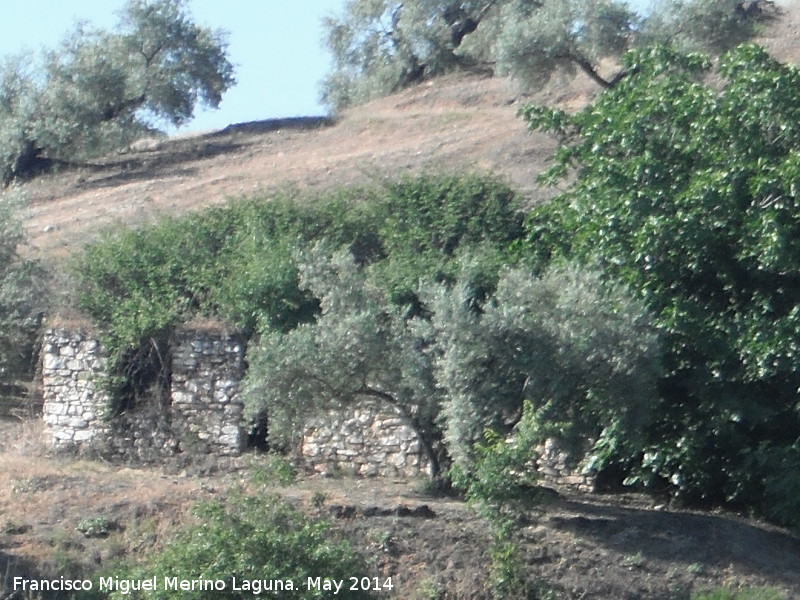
column 577, row 350
column 575, row 355
column 360, row 347
column 21, row 298
column 99, row 89
column 380, row 46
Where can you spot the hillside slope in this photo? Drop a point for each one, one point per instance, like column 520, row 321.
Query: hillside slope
column 464, row 121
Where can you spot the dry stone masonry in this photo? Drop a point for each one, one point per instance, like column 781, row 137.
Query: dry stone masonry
column 207, row 366
column 200, row 414
column 74, row 402
column 557, row 466
column 366, row 441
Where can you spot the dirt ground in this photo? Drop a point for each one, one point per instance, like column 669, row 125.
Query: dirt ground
column 578, row 546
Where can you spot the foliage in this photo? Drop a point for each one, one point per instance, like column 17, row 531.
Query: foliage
column 714, row 26
column 571, row 345
column 250, row 538
column 21, row 296
column 579, row 351
column 360, row 347
column 273, row 468
column 688, row 193
column 742, row 594
column 238, row 262
column 380, row 46
column 426, row 222
column 100, row 89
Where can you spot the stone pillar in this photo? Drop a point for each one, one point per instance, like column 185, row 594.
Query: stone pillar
column 207, row 368
column 75, row 403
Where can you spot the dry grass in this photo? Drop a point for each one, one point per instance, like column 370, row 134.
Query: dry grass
column 592, row 548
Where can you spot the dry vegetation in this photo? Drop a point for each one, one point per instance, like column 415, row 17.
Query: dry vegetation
column 588, row 547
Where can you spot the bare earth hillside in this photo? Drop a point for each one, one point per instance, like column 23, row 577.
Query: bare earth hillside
column 462, row 122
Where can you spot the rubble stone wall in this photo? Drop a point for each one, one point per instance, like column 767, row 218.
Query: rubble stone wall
column 201, row 413
column 207, row 414
column 367, row 441
column 75, row 404
column 557, row 466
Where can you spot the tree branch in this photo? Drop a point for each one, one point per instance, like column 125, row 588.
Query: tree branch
column 588, row 68
column 111, row 112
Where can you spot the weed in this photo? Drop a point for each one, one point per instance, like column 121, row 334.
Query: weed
column 636, row 560
column 428, row 589
column 318, row 499
column 96, row 527
column 695, row 569
column 12, row 527
column 760, row 593
column 274, row 468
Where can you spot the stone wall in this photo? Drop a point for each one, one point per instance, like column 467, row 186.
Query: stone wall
column 558, row 466
column 366, row 441
column 207, row 366
column 75, row 404
column 200, row 414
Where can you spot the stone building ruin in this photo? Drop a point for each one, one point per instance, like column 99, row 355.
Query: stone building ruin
column 203, row 414
column 200, row 416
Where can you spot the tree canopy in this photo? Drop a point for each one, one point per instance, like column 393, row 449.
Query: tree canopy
column 22, row 299
column 689, row 194
column 100, row 89
column 380, row 46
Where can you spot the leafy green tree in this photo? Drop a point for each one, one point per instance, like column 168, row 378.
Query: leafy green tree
column 22, row 301
column 100, row 89
column 689, row 194
column 360, row 347
column 380, row 46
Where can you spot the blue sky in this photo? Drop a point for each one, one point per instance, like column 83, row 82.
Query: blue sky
column 275, row 44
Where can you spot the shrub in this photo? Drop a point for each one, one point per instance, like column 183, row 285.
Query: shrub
column 238, row 262
column 249, row 538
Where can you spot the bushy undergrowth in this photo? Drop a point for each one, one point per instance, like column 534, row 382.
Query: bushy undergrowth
column 238, row 263
column 252, row 539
